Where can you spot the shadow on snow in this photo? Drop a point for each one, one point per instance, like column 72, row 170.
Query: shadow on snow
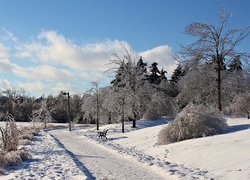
column 236, row 128
column 76, row 160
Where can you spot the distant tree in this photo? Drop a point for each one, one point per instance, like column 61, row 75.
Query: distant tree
column 120, row 75
column 241, row 105
column 154, row 76
column 179, row 72
column 89, row 107
column 129, row 77
column 95, row 89
column 235, row 64
column 162, row 74
column 42, row 114
column 105, row 114
column 160, row 105
column 141, row 66
column 76, row 108
column 214, row 42
column 197, row 86
column 16, row 102
column 23, row 110
column 57, row 105
column 136, row 93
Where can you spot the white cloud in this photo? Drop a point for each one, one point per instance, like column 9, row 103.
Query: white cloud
column 66, row 87
column 5, row 84
column 3, row 51
column 5, row 65
column 53, row 48
column 9, row 35
column 52, row 63
column 46, row 73
column 35, row 87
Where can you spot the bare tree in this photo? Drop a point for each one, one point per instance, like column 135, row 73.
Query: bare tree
column 76, row 106
column 42, row 114
column 128, row 80
column 240, row 105
column 215, row 43
column 95, row 89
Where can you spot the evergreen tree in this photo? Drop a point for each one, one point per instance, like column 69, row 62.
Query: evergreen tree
column 141, row 66
column 235, row 64
column 155, row 75
column 118, row 81
column 178, row 72
column 128, row 79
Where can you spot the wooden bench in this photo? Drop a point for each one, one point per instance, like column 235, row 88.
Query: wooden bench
column 102, row 134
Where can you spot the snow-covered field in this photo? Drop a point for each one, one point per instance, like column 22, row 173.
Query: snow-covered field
column 224, row 157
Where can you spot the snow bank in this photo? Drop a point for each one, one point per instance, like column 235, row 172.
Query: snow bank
column 223, row 156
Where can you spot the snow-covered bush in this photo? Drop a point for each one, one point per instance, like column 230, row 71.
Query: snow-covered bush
column 193, row 122
column 1, row 170
column 24, row 142
column 9, row 134
column 24, row 155
column 12, row 158
column 151, row 113
column 28, row 136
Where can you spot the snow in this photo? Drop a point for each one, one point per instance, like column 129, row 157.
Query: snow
column 50, row 161
column 79, row 154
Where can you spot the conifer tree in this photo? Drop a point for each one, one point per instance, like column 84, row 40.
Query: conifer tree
column 235, row 64
column 178, row 72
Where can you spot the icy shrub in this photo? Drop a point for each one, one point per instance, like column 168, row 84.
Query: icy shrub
column 1, row 170
column 28, row 132
column 151, row 114
column 193, row 122
column 24, row 155
column 35, row 130
column 12, row 158
column 9, row 134
column 24, row 142
column 28, row 136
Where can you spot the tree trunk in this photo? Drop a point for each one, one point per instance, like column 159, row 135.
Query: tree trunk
column 97, row 111
column 219, row 82
column 134, row 123
column 134, row 119
column 123, row 103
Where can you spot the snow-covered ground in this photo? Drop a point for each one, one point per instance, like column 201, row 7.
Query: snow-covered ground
column 223, row 157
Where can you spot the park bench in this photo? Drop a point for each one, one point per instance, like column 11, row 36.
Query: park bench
column 102, row 134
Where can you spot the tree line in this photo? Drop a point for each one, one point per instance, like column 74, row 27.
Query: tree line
column 210, row 71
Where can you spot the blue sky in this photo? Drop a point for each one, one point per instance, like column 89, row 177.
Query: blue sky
column 47, row 46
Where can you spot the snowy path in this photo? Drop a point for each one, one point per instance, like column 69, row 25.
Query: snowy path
column 101, row 163
column 50, row 161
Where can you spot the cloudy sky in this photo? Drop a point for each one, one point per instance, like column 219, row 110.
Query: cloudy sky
column 48, row 46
